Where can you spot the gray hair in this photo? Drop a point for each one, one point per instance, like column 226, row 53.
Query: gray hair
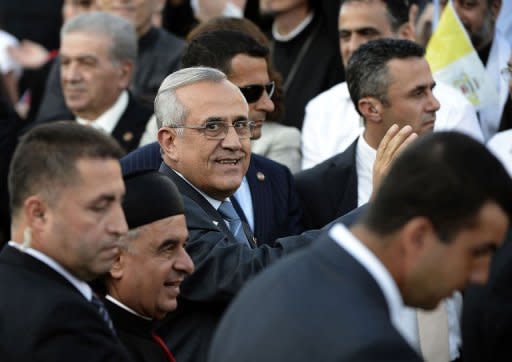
column 169, row 110
column 120, row 31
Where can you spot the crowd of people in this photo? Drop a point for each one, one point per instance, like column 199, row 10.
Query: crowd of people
column 242, row 180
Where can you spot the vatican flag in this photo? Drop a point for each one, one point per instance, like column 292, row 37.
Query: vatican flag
column 454, row 61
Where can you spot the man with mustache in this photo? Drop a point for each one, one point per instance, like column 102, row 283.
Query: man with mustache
column 66, row 191
column 97, row 56
column 144, row 282
column 158, row 55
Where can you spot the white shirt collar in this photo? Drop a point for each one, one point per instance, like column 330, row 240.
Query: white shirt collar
column 82, row 286
column 292, row 34
column 344, row 238
column 121, row 305
column 108, row 120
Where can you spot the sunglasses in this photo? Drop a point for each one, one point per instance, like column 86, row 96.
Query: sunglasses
column 253, row 92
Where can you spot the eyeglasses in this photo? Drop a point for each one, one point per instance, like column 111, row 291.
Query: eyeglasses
column 506, row 73
column 253, row 92
column 218, row 130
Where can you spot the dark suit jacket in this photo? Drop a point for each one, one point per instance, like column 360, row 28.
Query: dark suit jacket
column 222, row 266
column 136, row 334
column 45, row 318
column 275, row 203
column 329, row 189
column 128, row 130
column 132, row 124
column 316, row 305
column 487, row 312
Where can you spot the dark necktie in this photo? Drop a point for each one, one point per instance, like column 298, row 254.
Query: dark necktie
column 102, row 310
column 228, row 213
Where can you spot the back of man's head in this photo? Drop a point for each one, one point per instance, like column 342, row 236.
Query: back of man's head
column 45, row 160
column 367, row 70
column 446, row 177
column 123, row 45
column 217, row 48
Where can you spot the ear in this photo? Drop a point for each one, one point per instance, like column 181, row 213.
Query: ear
column 36, row 213
column 167, row 139
column 408, row 30
column 495, row 9
column 415, row 236
column 125, row 71
column 371, row 109
column 116, row 271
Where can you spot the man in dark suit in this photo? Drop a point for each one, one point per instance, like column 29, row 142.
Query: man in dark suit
column 143, row 284
column 422, row 237
column 401, row 93
column 158, row 55
column 65, row 190
column 267, row 199
column 205, row 139
column 97, row 57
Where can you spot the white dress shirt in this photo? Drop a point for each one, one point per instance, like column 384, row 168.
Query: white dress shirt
column 82, row 286
column 365, row 158
column 244, row 198
column 108, row 120
column 332, row 123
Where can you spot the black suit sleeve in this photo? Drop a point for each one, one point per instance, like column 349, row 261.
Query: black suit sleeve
column 223, row 267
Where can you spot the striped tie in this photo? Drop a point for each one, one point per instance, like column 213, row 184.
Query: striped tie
column 228, row 213
column 102, row 310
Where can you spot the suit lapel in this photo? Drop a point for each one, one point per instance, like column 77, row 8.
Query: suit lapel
column 188, row 191
column 345, row 199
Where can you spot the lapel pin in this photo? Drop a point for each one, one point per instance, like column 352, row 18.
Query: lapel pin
column 127, row 137
column 216, row 223
column 260, row 176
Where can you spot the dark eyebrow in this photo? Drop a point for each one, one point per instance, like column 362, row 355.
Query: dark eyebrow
column 240, row 118
column 166, row 244
column 488, row 248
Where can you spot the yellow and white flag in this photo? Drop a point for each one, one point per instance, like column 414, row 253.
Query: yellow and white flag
column 454, row 60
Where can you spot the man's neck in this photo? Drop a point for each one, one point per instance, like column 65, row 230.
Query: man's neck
column 288, row 21
column 372, row 139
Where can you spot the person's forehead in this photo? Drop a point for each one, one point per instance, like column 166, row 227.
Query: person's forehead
column 91, row 43
column 246, row 69
column 411, row 70
column 171, row 228
column 364, row 14
column 213, row 99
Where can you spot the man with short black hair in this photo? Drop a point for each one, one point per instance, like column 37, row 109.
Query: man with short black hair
column 65, row 190
column 332, row 123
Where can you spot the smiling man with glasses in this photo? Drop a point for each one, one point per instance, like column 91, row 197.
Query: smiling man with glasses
column 204, row 134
